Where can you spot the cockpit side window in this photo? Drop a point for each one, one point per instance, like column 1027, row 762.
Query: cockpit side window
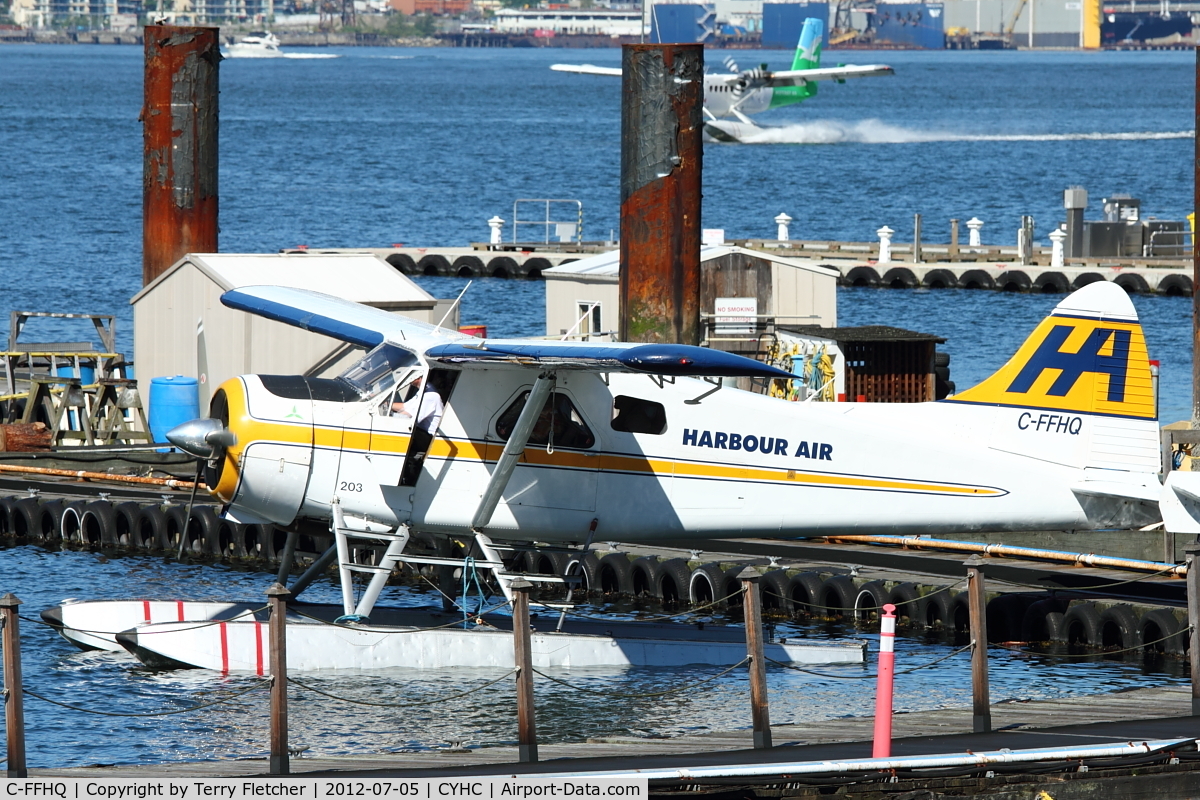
column 373, row 372
column 560, row 423
column 635, row 415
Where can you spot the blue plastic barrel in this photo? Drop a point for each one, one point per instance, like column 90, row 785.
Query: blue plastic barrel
column 88, row 376
column 173, row 401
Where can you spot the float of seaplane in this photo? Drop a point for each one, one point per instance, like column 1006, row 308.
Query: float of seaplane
column 506, row 442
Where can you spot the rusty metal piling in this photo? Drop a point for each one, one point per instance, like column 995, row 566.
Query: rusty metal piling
column 662, row 127
column 179, row 126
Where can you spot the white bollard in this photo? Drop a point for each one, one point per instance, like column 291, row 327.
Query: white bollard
column 973, row 225
column 782, row 221
column 1057, row 237
column 497, row 226
column 885, row 244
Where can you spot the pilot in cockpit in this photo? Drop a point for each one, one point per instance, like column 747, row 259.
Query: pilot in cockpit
column 429, row 413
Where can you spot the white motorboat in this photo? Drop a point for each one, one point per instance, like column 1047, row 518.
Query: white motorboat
column 264, row 44
column 256, row 44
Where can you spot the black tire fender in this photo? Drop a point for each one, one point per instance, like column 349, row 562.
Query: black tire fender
column 202, row 526
column 1082, row 623
column 838, row 594
column 937, row 609
column 674, row 574
column 960, row 613
column 614, row 574
column 645, row 576
column 585, row 569
column 1119, row 628
column 152, row 528
column 178, row 528
column 49, row 520
column 125, row 516
column 1162, row 632
column 70, row 523
column 906, row 597
column 706, row 584
column 1005, row 615
column 99, row 523
column 1043, row 621
column 229, row 538
column 6, row 516
column 870, row 599
column 805, row 591
column 25, row 515
column 775, row 595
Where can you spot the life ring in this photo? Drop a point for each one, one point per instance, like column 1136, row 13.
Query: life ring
column 125, row 517
column 907, row 600
column 838, row 594
column 706, row 584
column 614, row 575
column 1083, row 625
column 869, row 600
column 98, row 525
column 1162, row 633
column 805, row 591
column 645, row 576
column 775, row 595
column 673, row 578
column 1119, row 628
column 152, row 528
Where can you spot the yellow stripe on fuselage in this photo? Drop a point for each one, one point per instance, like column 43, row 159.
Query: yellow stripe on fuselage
column 255, row 430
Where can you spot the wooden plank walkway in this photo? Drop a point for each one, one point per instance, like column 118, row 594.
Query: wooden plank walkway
column 854, row 732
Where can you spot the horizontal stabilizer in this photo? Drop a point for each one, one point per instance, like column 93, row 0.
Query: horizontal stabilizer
column 1180, row 502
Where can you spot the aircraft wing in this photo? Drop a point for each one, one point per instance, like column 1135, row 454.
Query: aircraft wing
column 587, row 69
column 367, row 327
column 651, row 359
column 332, row 316
column 799, row 77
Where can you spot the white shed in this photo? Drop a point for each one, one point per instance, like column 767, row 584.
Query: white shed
column 583, row 296
column 181, row 327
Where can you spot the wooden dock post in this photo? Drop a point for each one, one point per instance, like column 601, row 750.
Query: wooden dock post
column 976, row 604
column 14, row 697
column 759, row 710
column 523, row 655
column 277, row 597
column 1193, row 608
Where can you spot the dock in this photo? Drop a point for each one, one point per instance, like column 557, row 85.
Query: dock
column 1141, row 714
column 933, row 266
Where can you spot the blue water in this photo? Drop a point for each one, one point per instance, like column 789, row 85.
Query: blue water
column 116, row 684
column 421, row 147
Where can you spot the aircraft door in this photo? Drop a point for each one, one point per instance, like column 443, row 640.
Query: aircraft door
column 562, row 460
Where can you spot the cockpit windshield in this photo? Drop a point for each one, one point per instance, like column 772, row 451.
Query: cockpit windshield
column 373, row 372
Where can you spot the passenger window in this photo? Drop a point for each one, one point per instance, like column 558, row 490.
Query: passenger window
column 569, row 429
column 634, row 415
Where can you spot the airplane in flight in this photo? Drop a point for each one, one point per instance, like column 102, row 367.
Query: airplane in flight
column 510, row 441
column 731, row 98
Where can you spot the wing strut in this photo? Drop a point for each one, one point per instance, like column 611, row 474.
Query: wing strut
column 513, row 449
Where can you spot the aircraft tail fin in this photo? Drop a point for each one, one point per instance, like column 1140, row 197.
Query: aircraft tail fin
column 1088, row 357
column 808, row 49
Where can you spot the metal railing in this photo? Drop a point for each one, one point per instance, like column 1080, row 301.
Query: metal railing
column 566, row 230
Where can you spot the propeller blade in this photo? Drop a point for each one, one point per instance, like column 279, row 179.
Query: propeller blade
column 731, row 65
